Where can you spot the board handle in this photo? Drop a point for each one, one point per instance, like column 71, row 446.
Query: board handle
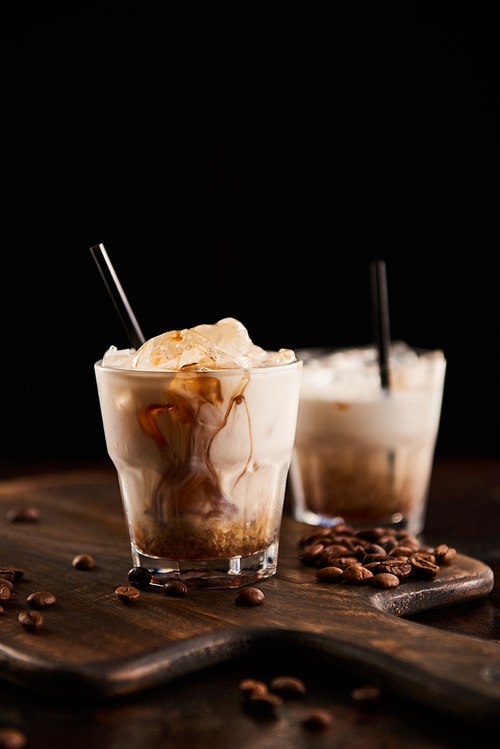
column 453, row 673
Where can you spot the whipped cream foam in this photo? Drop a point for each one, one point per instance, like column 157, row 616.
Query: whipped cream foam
column 204, row 348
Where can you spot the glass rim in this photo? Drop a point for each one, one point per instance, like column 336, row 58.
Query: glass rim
column 190, row 372
column 314, row 354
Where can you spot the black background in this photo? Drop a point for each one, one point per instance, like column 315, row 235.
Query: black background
column 242, row 161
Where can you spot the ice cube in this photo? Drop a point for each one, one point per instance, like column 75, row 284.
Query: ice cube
column 118, row 358
column 225, row 345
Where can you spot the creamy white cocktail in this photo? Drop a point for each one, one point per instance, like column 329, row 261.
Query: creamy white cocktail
column 363, row 453
column 200, row 425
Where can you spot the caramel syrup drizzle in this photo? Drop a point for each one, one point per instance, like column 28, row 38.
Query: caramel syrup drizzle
column 189, row 482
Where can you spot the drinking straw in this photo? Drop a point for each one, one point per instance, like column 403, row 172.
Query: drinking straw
column 118, row 296
column 380, row 311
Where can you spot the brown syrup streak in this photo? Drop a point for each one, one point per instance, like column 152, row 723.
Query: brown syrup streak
column 189, row 482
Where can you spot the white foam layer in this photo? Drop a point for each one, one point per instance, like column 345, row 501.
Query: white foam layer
column 354, row 373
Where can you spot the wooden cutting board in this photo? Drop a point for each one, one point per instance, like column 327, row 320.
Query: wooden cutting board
column 93, row 643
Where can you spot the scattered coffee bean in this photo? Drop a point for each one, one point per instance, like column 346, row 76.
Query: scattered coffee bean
column 175, row 588
column 401, row 551
column 366, row 693
column 31, row 620
column 139, row 577
column 371, row 534
column 317, row 719
column 263, row 703
column 248, row 686
column 397, row 566
column 444, row 554
column 41, row 599
column 249, row 597
column 330, row 574
column 375, row 549
column 11, row 573
column 83, row 562
column 12, row 738
column 345, row 561
column 423, row 566
column 311, row 554
column 409, row 541
column 288, row 686
column 384, row 580
column 317, row 535
column 2, row 610
column 356, row 573
column 127, row 593
column 4, row 592
column 22, row 515
column 365, row 554
column 8, row 583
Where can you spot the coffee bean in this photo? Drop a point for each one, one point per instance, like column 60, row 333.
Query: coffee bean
column 384, row 580
column 383, row 553
column 424, row 555
column 444, row 554
column 127, row 593
column 423, row 567
column 356, row 573
column 329, row 574
column 2, row 610
column 8, row 583
column 375, row 549
column 139, row 577
column 372, row 534
column 263, row 703
column 22, row 515
column 31, row 620
column 398, row 566
column 288, row 686
column 41, row 599
column 249, row 597
column 389, row 544
column 318, row 535
column 336, row 550
column 11, row 573
column 342, row 528
column 351, row 543
column 373, row 566
column 4, row 592
column 311, row 554
column 175, row 588
column 317, row 719
column 401, row 551
column 255, row 686
column 344, row 562
column 369, row 558
column 330, row 555
column 83, row 562
column 409, row 540
column 12, row 738
column 366, row 693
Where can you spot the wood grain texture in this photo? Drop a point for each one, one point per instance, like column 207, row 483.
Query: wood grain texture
column 92, row 641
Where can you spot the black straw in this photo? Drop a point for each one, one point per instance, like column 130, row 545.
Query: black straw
column 117, row 294
column 380, row 311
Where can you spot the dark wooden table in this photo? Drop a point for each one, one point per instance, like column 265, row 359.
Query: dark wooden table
column 206, row 709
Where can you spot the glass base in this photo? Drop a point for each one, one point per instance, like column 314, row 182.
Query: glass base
column 233, row 572
column 396, row 521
